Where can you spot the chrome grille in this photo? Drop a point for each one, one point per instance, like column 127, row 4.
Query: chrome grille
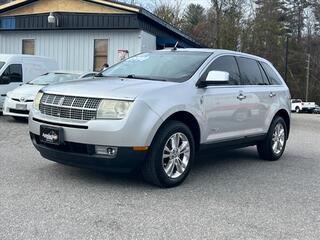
column 78, row 108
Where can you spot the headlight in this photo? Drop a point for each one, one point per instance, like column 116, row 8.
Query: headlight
column 36, row 102
column 113, row 109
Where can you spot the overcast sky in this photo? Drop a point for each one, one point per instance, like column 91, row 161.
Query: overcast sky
column 150, row 3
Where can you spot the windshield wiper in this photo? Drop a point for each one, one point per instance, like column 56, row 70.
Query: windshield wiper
column 133, row 76
column 99, row 74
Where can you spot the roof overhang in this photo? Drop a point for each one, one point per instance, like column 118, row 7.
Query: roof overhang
column 140, row 12
column 122, row 6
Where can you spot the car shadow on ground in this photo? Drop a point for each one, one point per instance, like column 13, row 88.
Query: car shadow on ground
column 214, row 158
column 207, row 163
column 18, row 120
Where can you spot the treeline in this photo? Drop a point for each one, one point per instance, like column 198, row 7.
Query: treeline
column 260, row 27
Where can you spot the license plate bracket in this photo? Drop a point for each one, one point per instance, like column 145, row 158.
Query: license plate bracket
column 20, row 106
column 51, row 135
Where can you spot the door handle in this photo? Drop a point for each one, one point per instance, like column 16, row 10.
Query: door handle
column 241, row 97
column 272, row 94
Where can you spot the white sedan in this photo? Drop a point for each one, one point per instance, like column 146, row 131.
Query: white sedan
column 19, row 101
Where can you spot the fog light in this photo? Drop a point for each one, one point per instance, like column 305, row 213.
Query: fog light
column 110, row 152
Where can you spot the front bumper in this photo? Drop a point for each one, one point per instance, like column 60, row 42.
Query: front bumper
column 10, row 108
column 83, row 156
column 136, row 130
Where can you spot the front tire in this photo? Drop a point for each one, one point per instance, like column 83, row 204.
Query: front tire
column 273, row 146
column 171, row 155
column 297, row 110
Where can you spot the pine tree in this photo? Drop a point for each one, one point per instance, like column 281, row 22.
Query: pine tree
column 194, row 22
column 268, row 31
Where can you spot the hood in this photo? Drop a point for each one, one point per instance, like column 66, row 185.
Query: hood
column 25, row 91
column 116, row 88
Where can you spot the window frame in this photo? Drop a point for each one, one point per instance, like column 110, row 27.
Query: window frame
column 94, row 52
column 8, row 68
column 263, row 71
column 258, row 64
column 34, row 46
column 274, row 72
column 205, row 72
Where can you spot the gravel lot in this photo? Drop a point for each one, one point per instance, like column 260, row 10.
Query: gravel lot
column 230, row 195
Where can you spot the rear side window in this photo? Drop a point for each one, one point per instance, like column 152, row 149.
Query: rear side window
column 273, row 77
column 250, row 72
column 264, row 75
column 226, row 64
column 13, row 72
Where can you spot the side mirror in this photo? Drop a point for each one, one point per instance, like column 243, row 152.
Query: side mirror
column 4, row 80
column 217, row 77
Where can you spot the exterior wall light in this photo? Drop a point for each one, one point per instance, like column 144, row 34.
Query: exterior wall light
column 52, row 19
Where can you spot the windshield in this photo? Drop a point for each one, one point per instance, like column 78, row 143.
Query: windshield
column 176, row 66
column 52, row 78
column 1, row 64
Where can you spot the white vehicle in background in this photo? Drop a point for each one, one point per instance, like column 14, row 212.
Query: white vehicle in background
column 308, row 106
column 19, row 101
column 18, row 69
column 297, row 105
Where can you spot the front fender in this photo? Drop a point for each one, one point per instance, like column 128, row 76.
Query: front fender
column 178, row 109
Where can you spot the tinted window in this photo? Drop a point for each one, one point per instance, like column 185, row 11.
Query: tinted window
column 264, row 75
column 273, row 77
column 250, row 72
column 13, row 72
column 1, row 64
column 226, row 64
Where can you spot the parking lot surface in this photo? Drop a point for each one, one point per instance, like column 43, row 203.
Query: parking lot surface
column 228, row 195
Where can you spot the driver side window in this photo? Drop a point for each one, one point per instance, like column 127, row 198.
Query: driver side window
column 13, row 73
column 226, row 64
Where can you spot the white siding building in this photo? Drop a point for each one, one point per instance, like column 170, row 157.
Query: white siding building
column 74, row 49
column 81, row 34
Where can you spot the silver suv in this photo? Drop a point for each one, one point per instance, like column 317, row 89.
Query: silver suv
column 156, row 110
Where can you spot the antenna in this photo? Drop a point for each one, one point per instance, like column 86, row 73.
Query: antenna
column 175, row 46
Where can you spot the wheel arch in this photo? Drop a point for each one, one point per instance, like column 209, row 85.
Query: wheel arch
column 190, row 120
column 286, row 117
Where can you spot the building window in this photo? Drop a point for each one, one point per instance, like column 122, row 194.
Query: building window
column 28, row 46
column 100, row 54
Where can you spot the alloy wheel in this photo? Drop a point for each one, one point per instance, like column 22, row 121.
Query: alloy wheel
column 278, row 138
column 176, row 155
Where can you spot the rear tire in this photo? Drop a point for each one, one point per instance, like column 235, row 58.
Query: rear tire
column 166, row 165
column 273, row 146
column 297, row 109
